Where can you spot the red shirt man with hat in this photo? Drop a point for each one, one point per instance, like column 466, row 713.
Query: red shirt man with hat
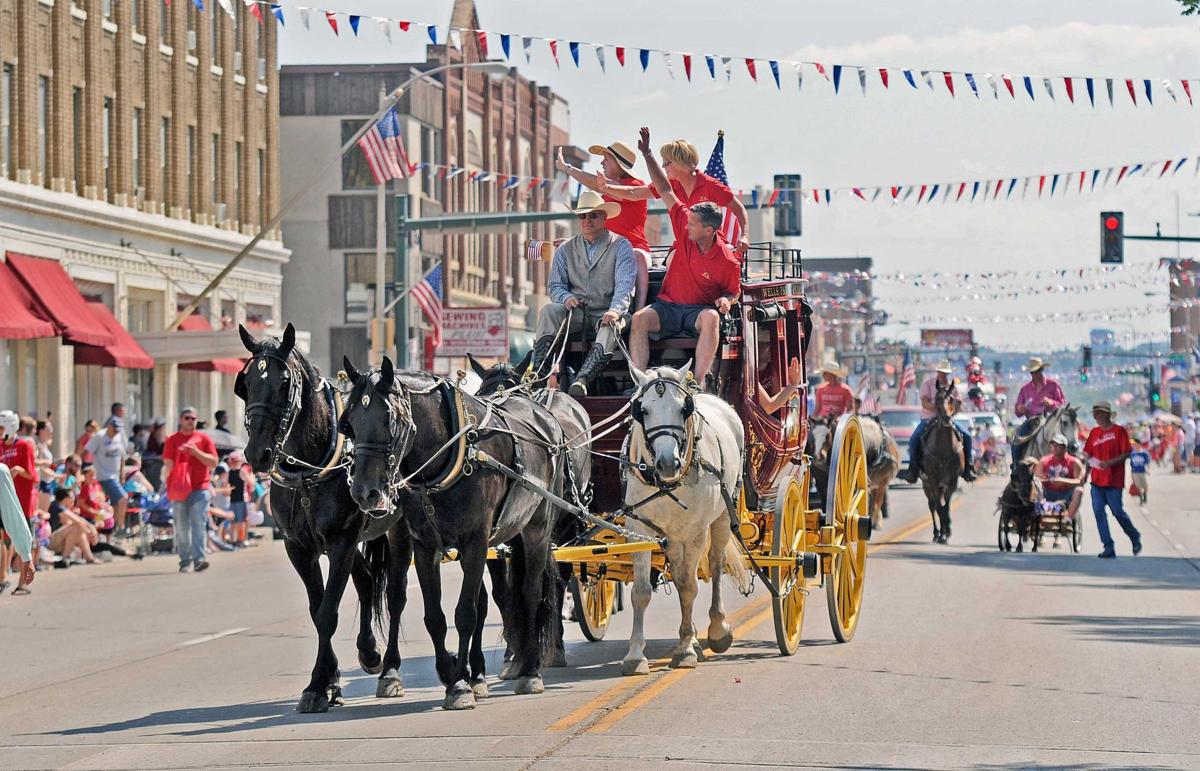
column 1107, row 448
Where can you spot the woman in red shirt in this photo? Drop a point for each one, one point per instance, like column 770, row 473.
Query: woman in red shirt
column 1107, row 448
column 17, row 454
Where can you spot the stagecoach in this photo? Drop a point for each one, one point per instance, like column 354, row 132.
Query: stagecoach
column 794, row 537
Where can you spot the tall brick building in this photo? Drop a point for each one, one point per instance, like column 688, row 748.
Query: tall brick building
column 138, row 150
column 461, row 117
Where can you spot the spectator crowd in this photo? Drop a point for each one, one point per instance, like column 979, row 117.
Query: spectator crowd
column 122, row 494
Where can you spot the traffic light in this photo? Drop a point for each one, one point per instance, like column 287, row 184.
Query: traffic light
column 1087, row 357
column 1084, row 374
column 1155, row 394
column 1112, row 236
column 787, row 206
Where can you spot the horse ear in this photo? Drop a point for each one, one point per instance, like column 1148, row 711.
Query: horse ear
column 523, row 365
column 387, row 377
column 248, row 339
column 640, row 378
column 289, row 340
column 351, row 372
column 684, row 370
column 478, row 368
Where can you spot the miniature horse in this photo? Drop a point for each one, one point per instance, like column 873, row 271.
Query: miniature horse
column 292, row 425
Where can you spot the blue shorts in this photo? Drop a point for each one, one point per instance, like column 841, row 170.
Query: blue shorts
column 239, row 512
column 1056, row 496
column 677, row 320
column 112, row 490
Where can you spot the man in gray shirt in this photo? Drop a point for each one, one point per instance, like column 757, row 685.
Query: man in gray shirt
column 591, row 282
column 108, row 449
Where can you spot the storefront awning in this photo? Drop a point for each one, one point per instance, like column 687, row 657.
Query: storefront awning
column 197, row 323
column 19, row 319
column 124, row 351
column 56, row 295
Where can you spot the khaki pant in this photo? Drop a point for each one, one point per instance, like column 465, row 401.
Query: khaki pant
column 552, row 316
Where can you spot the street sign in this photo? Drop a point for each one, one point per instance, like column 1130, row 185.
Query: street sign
column 949, row 338
column 478, row 331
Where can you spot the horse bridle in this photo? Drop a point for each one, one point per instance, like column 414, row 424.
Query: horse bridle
column 285, row 415
column 401, row 430
column 684, row 435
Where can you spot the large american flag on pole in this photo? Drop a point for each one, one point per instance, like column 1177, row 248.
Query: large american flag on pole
column 383, row 148
column 730, row 227
column 908, row 377
column 428, row 294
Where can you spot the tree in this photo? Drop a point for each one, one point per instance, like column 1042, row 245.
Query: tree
column 1190, row 7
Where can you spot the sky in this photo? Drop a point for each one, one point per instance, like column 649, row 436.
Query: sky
column 887, row 137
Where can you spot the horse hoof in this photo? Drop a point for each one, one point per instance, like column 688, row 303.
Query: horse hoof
column 370, row 661
column 313, row 701
column 460, row 696
column 390, row 686
column 509, row 670
column 557, row 659
column 684, row 660
column 635, row 667
column 527, row 685
column 480, row 688
column 722, row 643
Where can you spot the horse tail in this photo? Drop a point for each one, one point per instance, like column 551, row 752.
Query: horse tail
column 376, row 553
column 736, row 566
column 531, row 640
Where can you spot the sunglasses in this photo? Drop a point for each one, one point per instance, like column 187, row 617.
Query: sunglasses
column 592, row 215
column 188, row 417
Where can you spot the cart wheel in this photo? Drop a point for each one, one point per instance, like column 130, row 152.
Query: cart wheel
column 1077, row 533
column 846, row 508
column 1002, row 533
column 594, row 605
column 787, row 540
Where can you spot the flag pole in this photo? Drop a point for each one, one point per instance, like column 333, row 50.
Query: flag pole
column 378, row 322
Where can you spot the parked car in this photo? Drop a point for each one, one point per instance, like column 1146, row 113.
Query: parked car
column 901, row 420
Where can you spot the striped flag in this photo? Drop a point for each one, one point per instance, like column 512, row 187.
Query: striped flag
column 908, row 377
column 428, row 294
column 730, row 227
column 383, row 149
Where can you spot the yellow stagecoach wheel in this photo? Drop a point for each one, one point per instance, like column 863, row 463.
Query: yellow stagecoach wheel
column 787, row 540
column 846, row 509
column 594, row 605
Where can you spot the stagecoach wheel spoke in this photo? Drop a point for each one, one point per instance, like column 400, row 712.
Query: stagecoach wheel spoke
column 847, row 500
column 594, row 602
column 787, row 540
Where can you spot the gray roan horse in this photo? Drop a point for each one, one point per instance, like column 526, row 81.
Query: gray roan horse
column 447, row 481
column 1063, row 420
column 577, row 426
column 819, row 447
column 943, row 461
column 883, row 461
column 292, row 426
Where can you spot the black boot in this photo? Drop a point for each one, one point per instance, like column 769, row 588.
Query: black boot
column 541, row 349
column 592, row 365
column 968, row 473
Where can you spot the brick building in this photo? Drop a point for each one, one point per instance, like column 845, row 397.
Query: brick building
column 461, row 117
column 138, row 149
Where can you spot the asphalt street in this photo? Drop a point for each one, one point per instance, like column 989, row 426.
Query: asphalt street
column 965, row 657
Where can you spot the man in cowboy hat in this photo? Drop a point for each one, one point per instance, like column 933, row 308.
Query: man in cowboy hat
column 1061, row 475
column 703, row 281
column 832, row 397
column 1107, row 447
column 1040, row 396
column 591, row 282
column 929, row 391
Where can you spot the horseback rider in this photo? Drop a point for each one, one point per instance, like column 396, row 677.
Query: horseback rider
column 1037, row 398
column 929, row 391
column 592, row 281
column 832, row 397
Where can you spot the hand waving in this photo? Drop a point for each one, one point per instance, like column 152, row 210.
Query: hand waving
column 644, row 140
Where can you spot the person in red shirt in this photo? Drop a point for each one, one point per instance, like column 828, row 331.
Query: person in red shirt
column 189, row 456
column 703, row 280
column 1107, row 448
column 17, row 453
column 832, row 397
column 1061, row 475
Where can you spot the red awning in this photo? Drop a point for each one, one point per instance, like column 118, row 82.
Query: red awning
column 124, row 352
column 19, row 319
column 56, row 295
column 197, row 323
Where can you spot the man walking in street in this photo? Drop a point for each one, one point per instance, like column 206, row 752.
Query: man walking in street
column 1106, row 448
column 1040, row 396
column 592, row 283
column 189, row 457
column 109, row 448
column 929, row 392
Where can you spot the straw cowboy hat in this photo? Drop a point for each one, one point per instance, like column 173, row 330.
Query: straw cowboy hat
column 832, row 368
column 1059, row 439
column 1103, row 407
column 1035, row 364
column 945, row 368
column 590, row 201
column 618, row 151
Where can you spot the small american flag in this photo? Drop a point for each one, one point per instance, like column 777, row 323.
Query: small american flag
column 428, row 294
column 870, row 405
column 384, row 149
column 908, row 377
column 716, row 169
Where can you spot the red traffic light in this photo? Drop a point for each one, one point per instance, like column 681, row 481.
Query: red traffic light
column 1111, row 223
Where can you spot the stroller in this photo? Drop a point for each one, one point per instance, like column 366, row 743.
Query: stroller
column 158, row 530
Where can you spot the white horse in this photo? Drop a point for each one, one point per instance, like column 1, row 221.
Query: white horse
column 686, row 446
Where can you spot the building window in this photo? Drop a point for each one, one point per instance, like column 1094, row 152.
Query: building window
column 356, row 174
column 164, row 21
column 135, row 15
column 262, row 187
column 193, row 180
column 215, row 30
column 136, row 149
column 352, row 221
column 237, row 182
column 360, row 283
column 106, row 146
column 238, row 17
column 106, row 8
column 431, row 151
column 192, row 27
column 214, row 175
column 164, row 166
column 43, row 118
column 77, row 138
column 6, row 111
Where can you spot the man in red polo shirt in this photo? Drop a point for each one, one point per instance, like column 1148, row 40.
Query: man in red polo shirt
column 703, row 280
column 1107, row 449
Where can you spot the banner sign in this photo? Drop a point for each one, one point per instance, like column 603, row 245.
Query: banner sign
column 481, row 332
column 947, row 338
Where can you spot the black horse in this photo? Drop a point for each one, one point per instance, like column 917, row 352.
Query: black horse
column 577, row 426
column 1018, row 504
column 291, row 421
column 452, row 496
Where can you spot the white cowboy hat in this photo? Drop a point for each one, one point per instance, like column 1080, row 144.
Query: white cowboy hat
column 618, row 151
column 590, row 201
column 945, row 368
column 832, row 368
column 1035, row 364
column 1103, row 407
column 1059, row 439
